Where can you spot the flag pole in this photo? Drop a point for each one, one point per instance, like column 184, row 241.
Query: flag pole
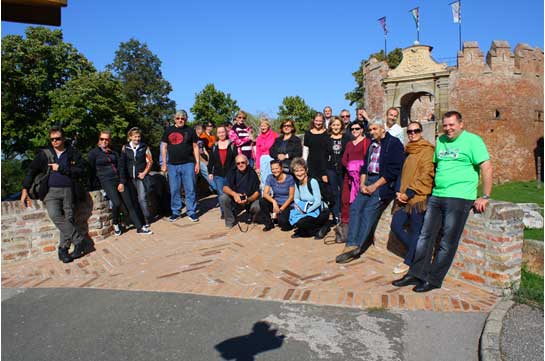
column 385, row 52
column 460, row 26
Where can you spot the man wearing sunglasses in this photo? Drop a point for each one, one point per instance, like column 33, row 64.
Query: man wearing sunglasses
column 63, row 165
column 241, row 191
column 180, row 142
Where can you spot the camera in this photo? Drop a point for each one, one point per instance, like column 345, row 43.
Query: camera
column 243, row 197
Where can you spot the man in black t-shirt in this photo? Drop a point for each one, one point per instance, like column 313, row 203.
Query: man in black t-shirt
column 180, row 141
column 241, row 191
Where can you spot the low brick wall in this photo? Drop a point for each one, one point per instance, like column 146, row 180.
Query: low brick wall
column 28, row 232
column 490, row 251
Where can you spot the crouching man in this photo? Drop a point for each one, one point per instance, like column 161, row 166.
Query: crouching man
column 241, row 191
column 58, row 190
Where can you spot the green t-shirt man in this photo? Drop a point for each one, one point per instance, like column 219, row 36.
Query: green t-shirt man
column 458, row 160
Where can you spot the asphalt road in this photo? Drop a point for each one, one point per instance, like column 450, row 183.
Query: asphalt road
column 91, row 325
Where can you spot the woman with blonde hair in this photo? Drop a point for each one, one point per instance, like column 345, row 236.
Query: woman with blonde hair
column 263, row 144
column 134, row 164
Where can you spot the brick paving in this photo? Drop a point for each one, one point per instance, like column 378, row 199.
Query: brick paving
column 206, row 258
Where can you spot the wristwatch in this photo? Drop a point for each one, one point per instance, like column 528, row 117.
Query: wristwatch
column 485, row 196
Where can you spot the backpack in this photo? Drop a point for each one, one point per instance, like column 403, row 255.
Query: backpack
column 325, row 191
column 39, row 185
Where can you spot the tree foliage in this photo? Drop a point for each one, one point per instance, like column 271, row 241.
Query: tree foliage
column 91, row 103
column 295, row 108
column 212, row 105
column 356, row 96
column 32, row 67
column 139, row 70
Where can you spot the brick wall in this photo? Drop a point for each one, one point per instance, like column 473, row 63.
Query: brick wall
column 500, row 97
column 490, row 251
column 29, row 232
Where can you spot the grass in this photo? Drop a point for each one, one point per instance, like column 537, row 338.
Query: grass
column 521, row 192
column 531, row 288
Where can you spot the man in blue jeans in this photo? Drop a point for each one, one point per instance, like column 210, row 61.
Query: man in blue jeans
column 379, row 174
column 180, row 142
column 459, row 156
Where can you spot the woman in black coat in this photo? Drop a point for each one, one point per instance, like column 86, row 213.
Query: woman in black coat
column 287, row 146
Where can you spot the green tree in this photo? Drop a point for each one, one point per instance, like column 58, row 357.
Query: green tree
column 356, row 96
column 295, row 108
column 139, row 70
column 91, row 103
column 31, row 68
column 12, row 176
column 212, row 105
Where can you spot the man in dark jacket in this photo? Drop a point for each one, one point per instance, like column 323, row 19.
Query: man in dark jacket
column 241, row 191
column 65, row 166
column 377, row 188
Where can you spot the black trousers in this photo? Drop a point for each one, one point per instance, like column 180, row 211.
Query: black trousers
column 309, row 226
column 118, row 198
column 266, row 209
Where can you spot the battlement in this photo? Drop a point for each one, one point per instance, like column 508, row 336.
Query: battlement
column 500, row 59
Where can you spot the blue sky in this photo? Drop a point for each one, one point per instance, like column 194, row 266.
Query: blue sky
column 262, row 51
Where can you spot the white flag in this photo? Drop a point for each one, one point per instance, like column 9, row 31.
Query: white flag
column 456, row 13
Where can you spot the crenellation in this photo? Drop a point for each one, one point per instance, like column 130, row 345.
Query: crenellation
column 500, row 58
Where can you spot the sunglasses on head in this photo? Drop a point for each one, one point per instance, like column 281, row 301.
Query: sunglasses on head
column 413, row 131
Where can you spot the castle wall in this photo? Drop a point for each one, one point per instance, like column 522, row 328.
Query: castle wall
column 501, row 100
column 375, row 95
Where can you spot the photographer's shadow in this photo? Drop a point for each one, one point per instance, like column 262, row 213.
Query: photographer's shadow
column 244, row 348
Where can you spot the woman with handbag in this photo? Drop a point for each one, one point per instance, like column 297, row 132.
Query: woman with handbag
column 287, row 146
column 135, row 164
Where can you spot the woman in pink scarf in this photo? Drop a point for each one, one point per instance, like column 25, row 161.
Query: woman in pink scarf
column 263, row 144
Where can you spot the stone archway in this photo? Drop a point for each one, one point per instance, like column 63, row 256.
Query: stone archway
column 417, row 76
column 416, row 106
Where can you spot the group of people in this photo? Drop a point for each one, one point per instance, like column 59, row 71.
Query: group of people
column 344, row 173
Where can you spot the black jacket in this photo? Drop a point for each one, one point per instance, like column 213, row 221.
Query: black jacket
column 130, row 164
column 40, row 164
column 214, row 164
column 390, row 162
column 104, row 166
column 292, row 147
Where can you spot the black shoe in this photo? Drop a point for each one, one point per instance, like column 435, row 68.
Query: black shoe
column 296, row 235
column 322, row 232
column 268, row 227
column 64, row 256
column 424, row 287
column 349, row 254
column 79, row 251
column 406, row 281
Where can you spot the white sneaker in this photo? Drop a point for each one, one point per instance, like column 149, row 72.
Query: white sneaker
column 401, row 268
column 117, row 230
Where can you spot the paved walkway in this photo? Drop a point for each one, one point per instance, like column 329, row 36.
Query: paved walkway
column 207, row 259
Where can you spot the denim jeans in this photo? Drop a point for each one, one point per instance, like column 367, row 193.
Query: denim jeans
column 336, row 183
column 365, row 213
column 219, row 182
column 118, row 199
column 446, row 215
column 408, row 237
column 138, row 185
column 264, row 169
column 204, row 173
column 178, row 175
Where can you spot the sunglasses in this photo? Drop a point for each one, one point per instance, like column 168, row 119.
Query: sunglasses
column 239, row 163
column 287, row 126
column 55, row 139
column 345, row 116
column 104, row 139
column 358, row 128
column 180, row 118
column 413, row 131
